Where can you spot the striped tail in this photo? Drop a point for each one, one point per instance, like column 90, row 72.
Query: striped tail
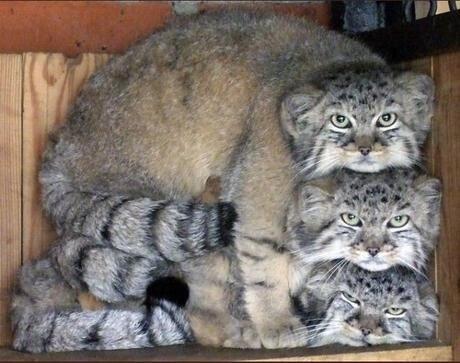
column 174, row 230
column 46, row 318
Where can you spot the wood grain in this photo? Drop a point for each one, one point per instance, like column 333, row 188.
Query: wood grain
column 196, row 353
column 446, row 156
column 51, row 83
column 10, row 182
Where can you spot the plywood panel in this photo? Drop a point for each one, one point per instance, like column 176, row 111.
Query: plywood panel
column 51, row 83
column 446, row 154
column 10, row 181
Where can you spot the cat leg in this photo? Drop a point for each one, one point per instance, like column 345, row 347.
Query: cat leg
column 46, row 318
column 266, row 292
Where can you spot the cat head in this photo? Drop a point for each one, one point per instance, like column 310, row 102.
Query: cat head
column 365, row 120
column 372, row 220
column 358, row 307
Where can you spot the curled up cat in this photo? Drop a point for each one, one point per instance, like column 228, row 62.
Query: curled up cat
column 259, row 101
column 335, row 299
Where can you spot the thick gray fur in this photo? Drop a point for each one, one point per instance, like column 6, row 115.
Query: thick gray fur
column 348, row 305
column 318, row 232
column 46, row 317
column 244, row 97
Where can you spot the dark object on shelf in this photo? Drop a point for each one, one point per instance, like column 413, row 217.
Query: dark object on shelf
column 424, row 37
column 355, row 16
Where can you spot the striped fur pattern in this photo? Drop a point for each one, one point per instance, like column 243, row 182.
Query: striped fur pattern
column 46, row 317
column 352, row 216
column 360, row 97
column 173, row 230
column 231, row 95
column 344, row 304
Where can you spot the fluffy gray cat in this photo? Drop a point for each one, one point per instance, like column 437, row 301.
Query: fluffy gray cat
column 352, row 306
column 349, row 220
column 46, row 317
column 253, row 99
column 375, row 221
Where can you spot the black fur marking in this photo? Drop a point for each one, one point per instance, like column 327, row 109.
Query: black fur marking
column 148, row 319
column 47, row 341
column 178, row 325
column 309, row 315
column 93, row 336
column 152, row 220
column 263, row 284
column 105, row 232
column 82, row 255
column 266, row 242
column 183, row 224
column 251, row 256
column 227, row 218
column 167, row 288
column 144, row 325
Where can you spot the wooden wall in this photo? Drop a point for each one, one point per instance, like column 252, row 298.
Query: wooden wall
column 75, row 27
column 35, row 92
column 36, row 89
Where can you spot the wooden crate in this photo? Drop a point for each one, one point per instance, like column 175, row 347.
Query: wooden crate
column 36, row 89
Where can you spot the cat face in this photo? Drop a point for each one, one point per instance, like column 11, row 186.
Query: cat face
column 372, row 220
column 363, row 120
column 357, row 307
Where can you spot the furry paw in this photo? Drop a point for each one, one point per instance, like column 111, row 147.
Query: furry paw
column 285, row 336
column 247, row 337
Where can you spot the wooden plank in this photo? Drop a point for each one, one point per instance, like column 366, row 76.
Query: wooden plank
column 197, row 353
column 446, row 154
column 51, row 83
column 75, row 27
column 10, row 182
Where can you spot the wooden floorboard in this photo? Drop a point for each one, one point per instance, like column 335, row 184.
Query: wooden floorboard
column 192, row 353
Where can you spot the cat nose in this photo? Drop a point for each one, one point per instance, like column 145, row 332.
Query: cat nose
column 373, row 251
column 364, row 150
column 366, row 331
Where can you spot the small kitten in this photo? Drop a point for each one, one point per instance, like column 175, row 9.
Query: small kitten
column 372, row 220
column 358, row 118
column 352, row 306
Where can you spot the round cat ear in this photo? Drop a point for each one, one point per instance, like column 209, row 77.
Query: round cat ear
column 315, row 201
column 417, row 94
column 295, row 108
column 420, row 86
column 430, row 188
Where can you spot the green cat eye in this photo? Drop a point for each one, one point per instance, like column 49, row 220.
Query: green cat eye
column 350, row 298
column 351, row 219
column 387, row 120
column 341, row 121
column 395, row 311
column 398, row 221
